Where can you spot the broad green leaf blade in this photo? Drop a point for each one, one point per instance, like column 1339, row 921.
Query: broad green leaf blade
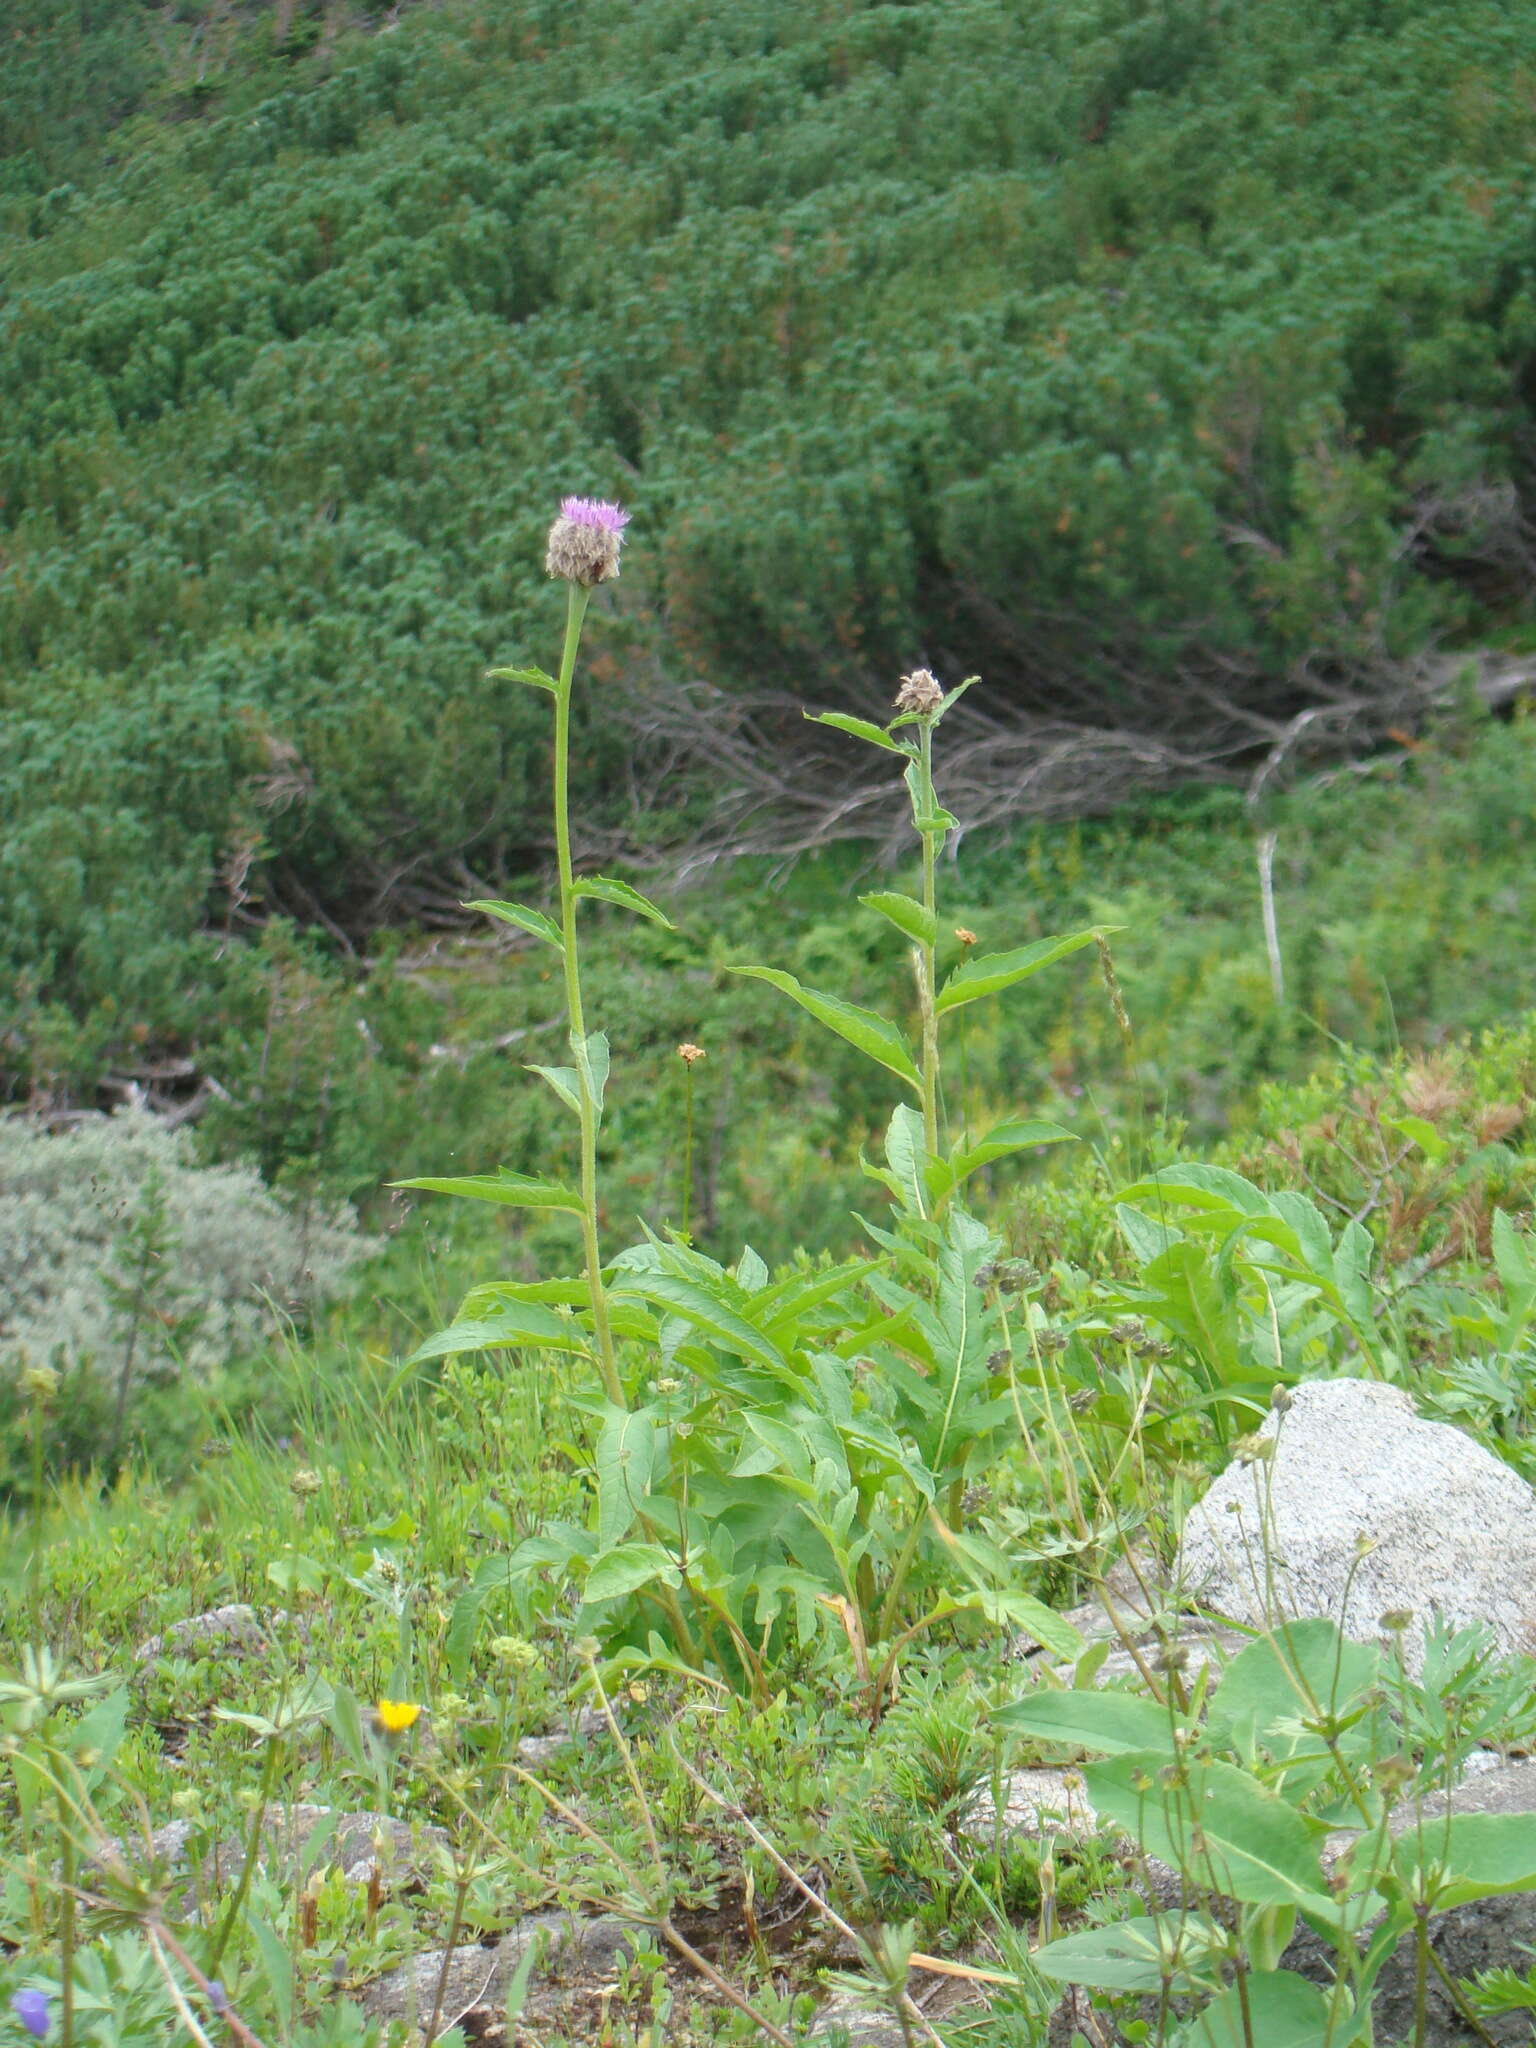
column 906, row 913
column 1016, row 1134
column 520, row 1323
column 535, row 677
column 565, row 1081
column 1135, row 1956
column 1220, row 1825
column 628, row 1567
column 1022, row 1611
column 1452, row 1861
column 861, row 728
column 533, row 921
column 993, row 972
column 870, row 1033
column 1307, row 1669
column 1276, row 2008
column 905, row 1154
column 1107, row 1722
column 603, row 890
column 511, row 1190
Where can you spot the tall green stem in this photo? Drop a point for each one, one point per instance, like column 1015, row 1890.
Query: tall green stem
column 928, row 950
column 252, row 1851
column 586, row 1098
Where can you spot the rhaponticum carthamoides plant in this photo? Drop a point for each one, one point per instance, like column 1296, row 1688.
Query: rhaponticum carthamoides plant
column 779, row 1463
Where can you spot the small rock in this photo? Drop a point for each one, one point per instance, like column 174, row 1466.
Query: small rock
column 855, row 2021
column 1449, row 1529
column 234, row 1630
column 1036, row 1802
column 533, row 1751
column 575, row 1950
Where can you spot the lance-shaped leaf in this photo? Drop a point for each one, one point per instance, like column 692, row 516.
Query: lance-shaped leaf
column 709, row 1315
column 532, row 921
column 906, row 913
column 603, row 890
column 993, row 972
column 534, row 677
column 861, row 729
column 1015, row 1134
column 511, row 1190
column 628, row 1567
column 865, row 1029
column 514, row 1322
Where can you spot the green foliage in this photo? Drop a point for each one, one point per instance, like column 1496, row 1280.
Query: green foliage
column 1100, row 347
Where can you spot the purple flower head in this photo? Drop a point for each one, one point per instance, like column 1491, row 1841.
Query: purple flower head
column 218, row 1997
column 584, row 541
column 594, row 512
column 31, row 2008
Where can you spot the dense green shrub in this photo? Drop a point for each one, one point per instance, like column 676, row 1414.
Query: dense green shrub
column 1128, row 353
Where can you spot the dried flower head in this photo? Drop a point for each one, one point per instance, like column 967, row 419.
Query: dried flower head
column 1431, row 1090
column 1496, row 1120
column 965, row 935
column 304, row 1483
column 688, row 1053
column 584, row 541
column 919, row 692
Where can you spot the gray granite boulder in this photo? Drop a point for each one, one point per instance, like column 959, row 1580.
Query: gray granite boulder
column 1355, row 1508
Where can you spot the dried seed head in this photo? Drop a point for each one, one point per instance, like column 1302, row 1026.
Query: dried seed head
column 965, row 935
column 919, row 692
column 584, row 541
column 304, row 1483
column 1431, row 1090
column 688, row 1053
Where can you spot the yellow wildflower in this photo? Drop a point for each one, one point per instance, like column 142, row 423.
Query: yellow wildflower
column 395, row 1716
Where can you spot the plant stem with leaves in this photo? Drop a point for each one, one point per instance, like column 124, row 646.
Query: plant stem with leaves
column 586, row 1093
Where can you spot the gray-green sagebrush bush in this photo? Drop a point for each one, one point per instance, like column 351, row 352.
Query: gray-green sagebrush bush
column 123, row 1261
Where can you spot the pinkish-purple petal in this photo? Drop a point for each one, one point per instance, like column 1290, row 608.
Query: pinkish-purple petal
column 594, row 512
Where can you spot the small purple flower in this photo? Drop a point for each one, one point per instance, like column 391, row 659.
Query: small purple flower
column 218, row 1997
column 584, row 541
column 31, row 2008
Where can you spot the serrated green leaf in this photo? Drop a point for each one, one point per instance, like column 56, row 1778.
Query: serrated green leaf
column 906, row 913
column 1016, row 1134
column 519, row 914
column 993, row 972
column 511, row 1190
column 861, row 728
column 864, row 1029
column 603, row 890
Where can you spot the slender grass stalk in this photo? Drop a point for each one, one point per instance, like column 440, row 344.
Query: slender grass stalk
column 687, row 1143
column 607, row 1362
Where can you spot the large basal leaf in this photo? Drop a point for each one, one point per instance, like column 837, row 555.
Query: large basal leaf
column 1214, row 1822
column 512, row 1190
column 993, row 972
column 1107, row 1723
column 531, row 921
column 870, row 1033
column 1138, row 1955
column 1449, row 1861
column 1274, row 2009
column 1272, row 1685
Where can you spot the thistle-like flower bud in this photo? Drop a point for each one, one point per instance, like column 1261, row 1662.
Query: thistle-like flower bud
column 584, row 541
column 919, row 692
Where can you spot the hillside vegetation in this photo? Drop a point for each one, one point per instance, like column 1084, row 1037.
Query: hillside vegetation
column 1168, row 363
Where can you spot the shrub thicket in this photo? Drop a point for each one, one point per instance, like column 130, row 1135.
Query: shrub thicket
column 1145, row 357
